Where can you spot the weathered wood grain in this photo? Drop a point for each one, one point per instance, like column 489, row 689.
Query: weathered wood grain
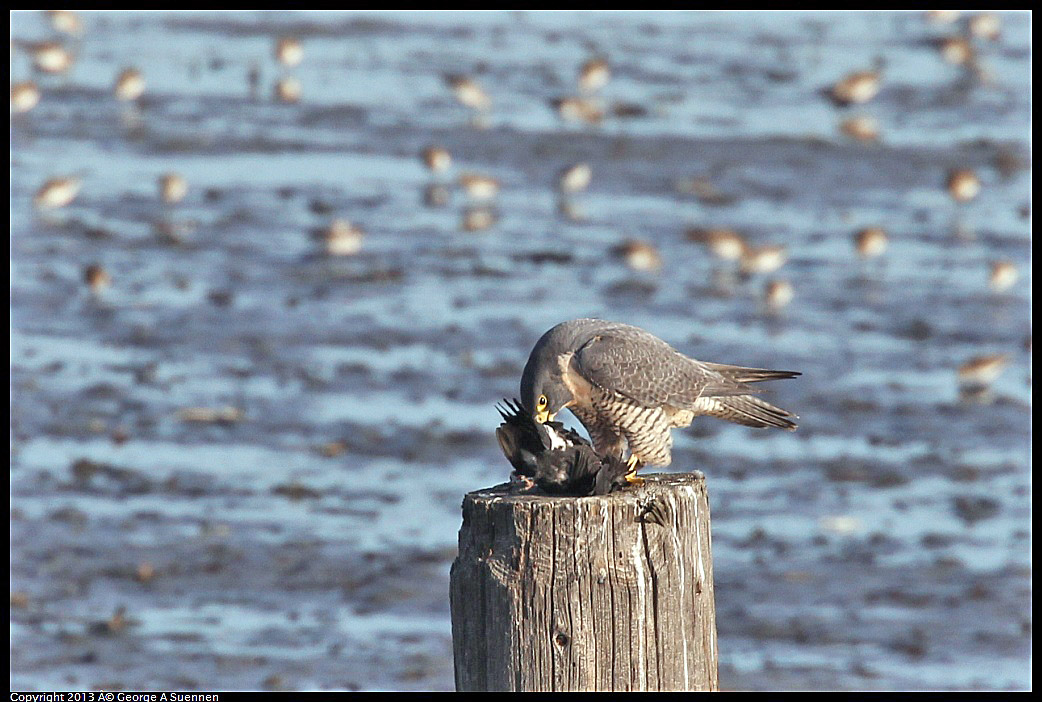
column 590, row 593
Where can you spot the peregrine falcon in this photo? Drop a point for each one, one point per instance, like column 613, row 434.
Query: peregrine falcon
column 629, row 389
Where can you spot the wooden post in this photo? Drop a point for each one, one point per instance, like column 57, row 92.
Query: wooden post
column 607, row 593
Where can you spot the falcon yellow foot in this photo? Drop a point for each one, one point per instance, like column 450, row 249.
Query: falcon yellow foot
column 631, row 477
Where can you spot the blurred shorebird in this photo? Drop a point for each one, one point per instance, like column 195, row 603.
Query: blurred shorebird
column 725, row 244
column 50, row 57
column 479, row 187
column 172, row 188
column 860, row 127
column 57, row 192
column 958, row 51
column 639, row 255
column 963, row 185
column 437, row 159
column 594, row 75
column 777, row 294
column 856, row 88
column 1002, row 275
column 575, row 178
column 763, row 259
column 985, row 26
column 871, row 242
column 24, row 96
column 96, row 278
column 129, row 85
column 289, row 52
column 65, row 22
column 341, row 238
column 942, row 16
column 576, row 109
column 479, row 218
column 436, row 195
column 468, row 92
column 982, row 371
column 288, row 90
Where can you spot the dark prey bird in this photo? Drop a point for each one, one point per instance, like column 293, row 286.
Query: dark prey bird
column 557, row 459
column 629, row 389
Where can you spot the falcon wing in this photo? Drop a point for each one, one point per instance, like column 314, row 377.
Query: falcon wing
column 652, row 373
column 641, row 367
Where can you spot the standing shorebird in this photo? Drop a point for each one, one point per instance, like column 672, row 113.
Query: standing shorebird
column 477, row 218
column 856, row 88
column 963, row 185
column 479, row 187
column 289, row 52
column 576, row 109
column 985, row 26
column 871, row 242
column 638, row 255
column 574, row 178
column 341, row 238
column 66, row 22
column 469, row 93
column 437, row 159
column 1002, row 276
column 958, row 51
column 860, row 127
column 172, row 188
column 594, row 75
column 981, row 371
column 630, row 389
column 725, row 244
column 96, row 278
column 777, row 294
column 51, row 57
column 57, row 192
column 129, row 85
column 24, row 96
column 288, row 90
column 942, row 16
column 763, row 259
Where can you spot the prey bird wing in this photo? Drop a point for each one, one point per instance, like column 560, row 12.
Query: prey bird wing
column 559, row 460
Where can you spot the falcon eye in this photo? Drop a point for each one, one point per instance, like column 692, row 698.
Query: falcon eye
column 542, row 402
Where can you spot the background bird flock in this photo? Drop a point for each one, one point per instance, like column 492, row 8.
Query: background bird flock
column 271, row 271
column 55, row 58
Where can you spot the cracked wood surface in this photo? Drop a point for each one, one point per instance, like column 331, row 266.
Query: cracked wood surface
column 594, row 593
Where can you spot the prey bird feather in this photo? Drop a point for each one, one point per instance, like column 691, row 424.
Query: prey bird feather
column 560, row 461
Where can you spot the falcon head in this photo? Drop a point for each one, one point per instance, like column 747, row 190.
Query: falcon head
column 543, row 391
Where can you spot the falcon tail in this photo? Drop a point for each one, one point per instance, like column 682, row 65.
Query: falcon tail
column 747, row 410
column 749, row 375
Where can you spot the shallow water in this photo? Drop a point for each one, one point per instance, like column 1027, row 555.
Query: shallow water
column 884, row 545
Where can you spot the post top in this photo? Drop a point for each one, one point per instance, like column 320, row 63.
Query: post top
column 654, row 484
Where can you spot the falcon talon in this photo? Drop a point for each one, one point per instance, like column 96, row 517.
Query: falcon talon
column 522, row 483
